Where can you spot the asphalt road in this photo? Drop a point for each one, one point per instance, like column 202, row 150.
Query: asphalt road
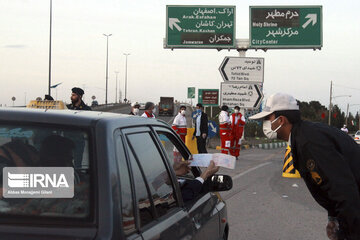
column 264, row 205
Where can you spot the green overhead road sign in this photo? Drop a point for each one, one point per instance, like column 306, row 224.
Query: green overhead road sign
column 191, row 92
column 286, row 27
column 195, row 26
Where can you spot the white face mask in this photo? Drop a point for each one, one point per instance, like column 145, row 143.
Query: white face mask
column 269, row 133
column 154, row 110
column 136, row 111
column 236, row 111
column 182, row 112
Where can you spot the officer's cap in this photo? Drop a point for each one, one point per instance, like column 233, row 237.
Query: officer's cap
column 277, row 102
column 78, row 91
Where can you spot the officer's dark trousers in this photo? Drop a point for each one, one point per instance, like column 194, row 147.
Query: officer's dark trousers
column 201, row 144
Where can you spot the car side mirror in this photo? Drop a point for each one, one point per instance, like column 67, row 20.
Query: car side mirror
column 220, row 182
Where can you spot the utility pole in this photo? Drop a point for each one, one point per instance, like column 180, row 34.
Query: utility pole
column 107, row 65
column 116, row 88
column 347, row 114
column 330, row 103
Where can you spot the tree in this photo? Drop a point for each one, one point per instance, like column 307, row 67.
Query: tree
column 313, row 111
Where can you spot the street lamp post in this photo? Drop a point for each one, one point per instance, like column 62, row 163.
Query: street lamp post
column 116, row 72
column 49, row 89
column 107, row 65
column 126, row 54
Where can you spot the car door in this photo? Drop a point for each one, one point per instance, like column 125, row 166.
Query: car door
column 203, row 209
column 157, row 210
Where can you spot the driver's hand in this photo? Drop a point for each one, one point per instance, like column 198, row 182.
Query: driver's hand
column 181, row 168
column 211, row 170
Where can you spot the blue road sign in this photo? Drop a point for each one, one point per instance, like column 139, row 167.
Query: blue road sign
column 213, row 129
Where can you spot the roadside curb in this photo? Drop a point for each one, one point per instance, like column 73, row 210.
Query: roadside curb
column 271, row 145
column 261, row 146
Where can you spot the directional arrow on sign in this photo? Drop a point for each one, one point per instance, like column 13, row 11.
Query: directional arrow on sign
column 212, row 127
column 260, row 94
column 312, row 17
column 173, row 23
column 222, row 69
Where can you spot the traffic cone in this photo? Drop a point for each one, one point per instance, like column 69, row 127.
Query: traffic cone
column 289, row 170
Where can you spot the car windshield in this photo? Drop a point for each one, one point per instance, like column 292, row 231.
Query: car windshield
column 357, row 133
column 49, row 150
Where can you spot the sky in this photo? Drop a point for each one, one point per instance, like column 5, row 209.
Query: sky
column 138, row 27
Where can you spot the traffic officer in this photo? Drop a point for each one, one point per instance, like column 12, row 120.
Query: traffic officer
column 149, row 110
column 179, row 124
column 237, row 129
column 76, row 100
column 77, row 104
column 327, row 159
column 225, row 130
column 135, row 109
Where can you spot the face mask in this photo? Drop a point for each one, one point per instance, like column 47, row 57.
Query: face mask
column 269, row 133
column 236, row 111
column 198, row 110
column 154, row 110
column 182, row 112
column 136, row 111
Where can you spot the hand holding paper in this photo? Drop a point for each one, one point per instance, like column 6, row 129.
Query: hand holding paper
column 222, row 160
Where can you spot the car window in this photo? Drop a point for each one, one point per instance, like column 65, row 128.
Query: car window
column 157, row 177
column 144, row 205
column 172, row 149
column 46, row 147
column 127, row 210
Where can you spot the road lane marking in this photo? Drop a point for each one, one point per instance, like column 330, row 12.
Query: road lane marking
column 256, row 167
column 250, row 170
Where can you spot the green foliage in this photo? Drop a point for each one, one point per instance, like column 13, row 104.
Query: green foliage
column 253, row 129
column 313, row 111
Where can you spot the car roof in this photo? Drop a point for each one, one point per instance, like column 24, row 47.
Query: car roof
column 72, row 117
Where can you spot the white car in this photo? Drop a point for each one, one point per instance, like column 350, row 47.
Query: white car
column 357, row 137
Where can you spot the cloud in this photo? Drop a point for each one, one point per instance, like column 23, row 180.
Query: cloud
column 15, row 46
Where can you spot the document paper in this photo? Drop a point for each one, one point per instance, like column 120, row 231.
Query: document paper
column 220, row 159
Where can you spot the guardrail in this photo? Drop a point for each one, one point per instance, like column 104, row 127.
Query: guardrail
column 109, row 107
